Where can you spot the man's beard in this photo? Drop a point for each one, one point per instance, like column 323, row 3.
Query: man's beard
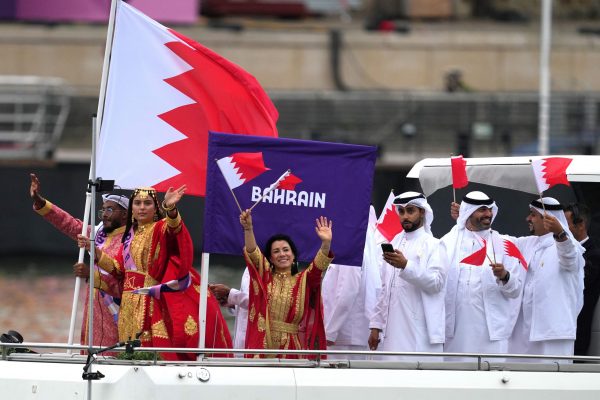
column 110, row 227
column 481, row 225
column 413, row 226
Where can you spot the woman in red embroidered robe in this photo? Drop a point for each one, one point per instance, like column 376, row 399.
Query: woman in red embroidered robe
column 160, row 287
column 285, row 309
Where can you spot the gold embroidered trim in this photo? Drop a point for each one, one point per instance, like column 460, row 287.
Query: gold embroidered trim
column 261, row 323
column 174, row 223
column 46, row 209
column 252, row 313
column 156, row 252
column 159, row 330
column 109, row 264
column 190, row 327
column 322, row 261
column 140, row 246
column 284, row 327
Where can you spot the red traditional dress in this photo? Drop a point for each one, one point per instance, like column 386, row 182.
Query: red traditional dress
column 107, row 288
column 161, row 290
column 285, row 310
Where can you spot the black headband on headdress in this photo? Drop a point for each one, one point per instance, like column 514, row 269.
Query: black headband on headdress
column 404, row 200
column 551, row 207
column 478, row 202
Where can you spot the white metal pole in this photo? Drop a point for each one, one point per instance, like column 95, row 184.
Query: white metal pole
column 92, row 239
column 106, row 65
column 544, row 100
column 203, row 300
column 84, row 229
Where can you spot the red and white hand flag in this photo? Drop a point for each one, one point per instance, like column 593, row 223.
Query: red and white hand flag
column 550, row 171
column 476, row 258
column 511, row 249
column 278, row 185
column 164, row 93
column 289, row 182
column 388, row 224
column 240, row 168
column 459, row 172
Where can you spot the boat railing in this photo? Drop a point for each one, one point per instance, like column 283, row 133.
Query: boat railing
column 311, row 359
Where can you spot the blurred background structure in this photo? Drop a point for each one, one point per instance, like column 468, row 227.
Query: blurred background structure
column 418, row 78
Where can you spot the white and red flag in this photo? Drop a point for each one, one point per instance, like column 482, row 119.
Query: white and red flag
column 550, row 171
column 164, row 93
column 459, row 172
column 240, row 168
column 477, row 258
column 511, row 249
column 289, row 182
column 388, row 224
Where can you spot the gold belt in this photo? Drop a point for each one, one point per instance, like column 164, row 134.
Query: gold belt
column 284, row 327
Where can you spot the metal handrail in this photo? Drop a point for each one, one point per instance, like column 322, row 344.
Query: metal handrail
column 315, row 361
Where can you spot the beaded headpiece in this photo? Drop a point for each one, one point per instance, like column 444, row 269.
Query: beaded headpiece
column 144, row 192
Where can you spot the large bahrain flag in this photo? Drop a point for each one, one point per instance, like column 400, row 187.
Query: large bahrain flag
column 164, row 93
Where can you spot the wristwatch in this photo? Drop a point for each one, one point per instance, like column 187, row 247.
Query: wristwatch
column 506, row 278
column 560, row 236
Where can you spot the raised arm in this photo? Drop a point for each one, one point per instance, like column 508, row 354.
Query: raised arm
column 249, row 239
column 34, row 192
column 172, row 197
column 325, row 233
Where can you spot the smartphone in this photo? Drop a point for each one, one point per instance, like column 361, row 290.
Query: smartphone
column 387, row 247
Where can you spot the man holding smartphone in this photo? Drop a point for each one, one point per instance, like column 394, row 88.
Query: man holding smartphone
column 409, row 315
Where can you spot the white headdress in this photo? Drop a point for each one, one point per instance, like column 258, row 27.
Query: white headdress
column 471, row 202
column 121, row 200
column 554, row 208
column 418, row 200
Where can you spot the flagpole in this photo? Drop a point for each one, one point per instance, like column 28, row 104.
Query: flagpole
column 536, row 186
column 230, row 189
column 453, row 188
column 110, row 33
column 203, row 302
column 273, row 186
column 84, row 231
column 97, row 123
column 544, row 88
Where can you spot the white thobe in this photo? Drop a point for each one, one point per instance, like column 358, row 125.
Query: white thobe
column 480, row 310
column 410, row 308
column 552, row 298
column 238, row 301
column 344, row 310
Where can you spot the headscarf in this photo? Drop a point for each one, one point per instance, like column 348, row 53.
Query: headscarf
column 554, row 208
column 418, row 200
column 121, row 200
column 471, row 202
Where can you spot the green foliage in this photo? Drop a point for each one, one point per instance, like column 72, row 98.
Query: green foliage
column 138, row 355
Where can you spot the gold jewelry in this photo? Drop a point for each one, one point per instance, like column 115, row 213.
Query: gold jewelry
column 144, row 192
column 167, row 209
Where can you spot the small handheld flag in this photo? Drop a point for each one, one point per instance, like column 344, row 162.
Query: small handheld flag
column 511, row 249
column 388, row 224
column 550, row 171
column 275, row 185
column 476, row 258
column 240, row 168
column 459, row 172
column 289, row 182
